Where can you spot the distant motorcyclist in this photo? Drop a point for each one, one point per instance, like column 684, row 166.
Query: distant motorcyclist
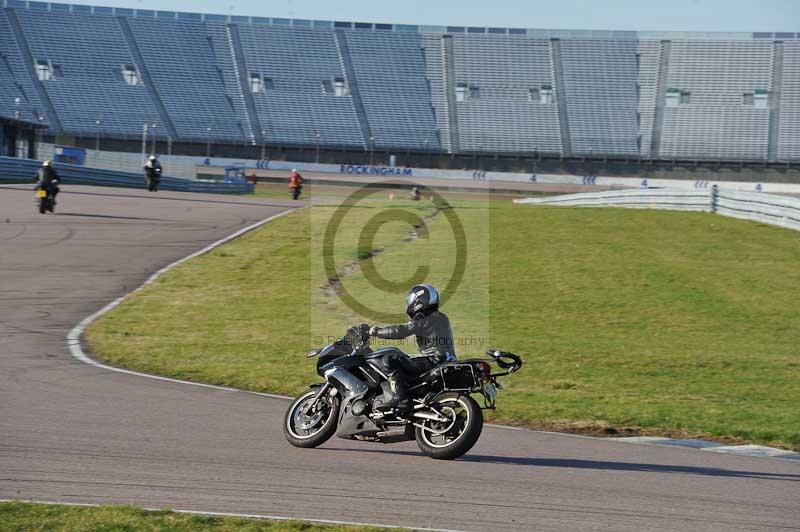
column 295, row 183
column 434, row 340
column 152, row 173
column 415, row 194
column 47, row 178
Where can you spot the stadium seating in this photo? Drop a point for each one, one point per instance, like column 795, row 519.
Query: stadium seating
column 88, row 54
column 715, row 123
column 181, row 63
column 600, row 87
column 87, row 71
column 294, row 107
column 390, row 71
column 496, row 74
column 14, row 78
column 789, row 147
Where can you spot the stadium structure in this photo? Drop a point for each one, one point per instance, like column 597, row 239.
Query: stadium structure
column 89, row 72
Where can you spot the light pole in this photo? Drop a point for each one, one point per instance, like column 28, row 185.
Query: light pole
column 98, row 123
column 318, row 139
column 144, row 144
column 153, row 151
column 371, row 146
column 208, row 143
column 263, row 144
column 37, row 136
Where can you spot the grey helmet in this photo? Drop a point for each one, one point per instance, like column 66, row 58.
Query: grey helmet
column 422, row 299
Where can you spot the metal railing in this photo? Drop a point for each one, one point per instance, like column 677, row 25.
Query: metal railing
column 754, row 206
column 24, row 170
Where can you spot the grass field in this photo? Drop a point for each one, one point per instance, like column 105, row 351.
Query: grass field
column 683, row 324
column 18, row 516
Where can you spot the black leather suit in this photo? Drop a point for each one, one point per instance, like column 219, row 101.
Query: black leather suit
column 434, row 339
column 48, row 179
column 152, row 172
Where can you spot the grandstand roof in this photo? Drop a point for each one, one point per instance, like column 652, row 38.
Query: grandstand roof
column 370, row 26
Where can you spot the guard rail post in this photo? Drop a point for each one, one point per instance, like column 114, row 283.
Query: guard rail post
column 714, row 198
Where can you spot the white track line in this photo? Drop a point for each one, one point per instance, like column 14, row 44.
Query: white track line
column 242, row 516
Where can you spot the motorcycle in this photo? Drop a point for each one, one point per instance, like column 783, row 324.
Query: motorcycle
column 154, row 180
column 45, row 198
column 446, row 421
column 152, row 183
column 295, row 192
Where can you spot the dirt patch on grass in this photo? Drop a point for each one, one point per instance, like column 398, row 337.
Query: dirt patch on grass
column 333, row 286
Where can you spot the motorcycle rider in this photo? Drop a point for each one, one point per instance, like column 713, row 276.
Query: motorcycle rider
column 434, row 339
column 152, row 173
column 295, row 183
column 47, row 178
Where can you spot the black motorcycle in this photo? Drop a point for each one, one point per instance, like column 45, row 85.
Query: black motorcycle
column 45, row 198
column 446, row 420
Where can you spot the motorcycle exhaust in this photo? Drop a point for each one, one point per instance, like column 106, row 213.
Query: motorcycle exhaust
column 432, row 417
column 353, row 384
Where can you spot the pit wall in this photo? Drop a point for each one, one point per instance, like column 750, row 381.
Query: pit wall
column 189, row 167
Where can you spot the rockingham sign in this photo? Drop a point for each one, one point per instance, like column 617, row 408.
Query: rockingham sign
column 387, row 171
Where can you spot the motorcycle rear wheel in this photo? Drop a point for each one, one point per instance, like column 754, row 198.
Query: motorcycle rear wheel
column 311, row 428
column 446, row 441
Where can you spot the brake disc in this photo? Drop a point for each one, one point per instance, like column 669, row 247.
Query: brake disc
column 310, row 421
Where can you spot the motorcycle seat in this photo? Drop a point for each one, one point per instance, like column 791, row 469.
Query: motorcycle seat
column 382, row 352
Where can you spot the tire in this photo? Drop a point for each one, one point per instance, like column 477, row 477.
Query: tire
column 322, row 433
column 470, row 414
column 51, row 205
column 42, row 207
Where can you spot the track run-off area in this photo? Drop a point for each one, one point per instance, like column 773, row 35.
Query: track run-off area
column 76, row 433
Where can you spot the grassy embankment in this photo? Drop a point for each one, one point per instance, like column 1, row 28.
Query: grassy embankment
column 28, row 517
column 683, row 324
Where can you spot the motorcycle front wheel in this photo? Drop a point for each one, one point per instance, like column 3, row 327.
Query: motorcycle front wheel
column 446, row 440
column 307, row 426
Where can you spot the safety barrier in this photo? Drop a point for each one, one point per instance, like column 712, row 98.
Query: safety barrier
column 24, row 170
column 757, row 207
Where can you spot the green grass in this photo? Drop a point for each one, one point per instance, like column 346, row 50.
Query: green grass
column 28, row 517
column 677, row 322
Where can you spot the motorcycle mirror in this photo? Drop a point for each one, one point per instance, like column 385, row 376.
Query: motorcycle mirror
column 312, row 353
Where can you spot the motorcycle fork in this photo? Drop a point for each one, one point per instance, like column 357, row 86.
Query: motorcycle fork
column 322, row 390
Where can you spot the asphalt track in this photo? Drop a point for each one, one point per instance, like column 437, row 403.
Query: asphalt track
column 76, row 433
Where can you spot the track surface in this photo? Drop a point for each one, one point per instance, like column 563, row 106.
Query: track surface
column 75, row 433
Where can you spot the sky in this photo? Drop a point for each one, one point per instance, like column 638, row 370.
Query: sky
column 639, row 15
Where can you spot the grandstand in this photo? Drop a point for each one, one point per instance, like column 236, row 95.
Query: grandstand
column 88, row 71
